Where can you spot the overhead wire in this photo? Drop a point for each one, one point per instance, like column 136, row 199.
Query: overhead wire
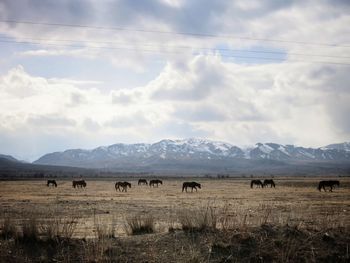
column 162, row 48
column 169, row 52
column 173, row 32
column 182, row 47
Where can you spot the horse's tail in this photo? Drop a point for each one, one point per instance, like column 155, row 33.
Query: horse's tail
column 183, row 187
column 251, row 184
column 319, row 186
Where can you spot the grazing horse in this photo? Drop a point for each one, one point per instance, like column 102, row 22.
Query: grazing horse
column 330, row 183
column 256, row 182
column 79, row 183
column 269, row 182
column 155, row 182
column 194, row 185
column 122, row 186
column 142, row 181
column 51, row 182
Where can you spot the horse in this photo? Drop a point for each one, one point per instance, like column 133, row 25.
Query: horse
column 142, row 181
column 330, row 183
column 155, row 182
column 256, row 182
column 79, row 183
column 122, row 186
column 269, row 182
column 51, row 182
column 194, row 185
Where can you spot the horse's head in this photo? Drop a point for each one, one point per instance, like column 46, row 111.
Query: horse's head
column 199, row 186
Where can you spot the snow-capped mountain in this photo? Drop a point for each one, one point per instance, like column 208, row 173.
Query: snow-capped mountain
column 189, row 150
column 345, row 146
column 8, row 157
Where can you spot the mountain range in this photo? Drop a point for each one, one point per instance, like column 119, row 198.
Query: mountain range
column 199, row 155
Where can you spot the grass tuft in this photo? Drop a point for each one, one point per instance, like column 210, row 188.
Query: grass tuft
column 198, row 220
column 138, row 225
column 8, row 228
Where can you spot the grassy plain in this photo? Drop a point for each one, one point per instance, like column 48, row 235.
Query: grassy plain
column 230, row 203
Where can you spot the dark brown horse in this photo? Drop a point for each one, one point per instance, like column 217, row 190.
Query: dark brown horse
column 330, row 184
column 256, row 182
column 155, row 182
column 142, row 181
column 79, row 183
column 51, row 182
column 193, row 185
column 269, row 182
column 122, row 186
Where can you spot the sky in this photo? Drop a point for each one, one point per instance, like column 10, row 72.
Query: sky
column 86, row 73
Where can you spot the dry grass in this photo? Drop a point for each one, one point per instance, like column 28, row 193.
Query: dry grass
column 140, row 224
column 30, row 229
column 198, row 219
column 8, row 228
column 59, row 227
column 224, row 221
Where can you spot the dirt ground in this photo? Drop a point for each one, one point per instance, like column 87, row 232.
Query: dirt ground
column 294, row 200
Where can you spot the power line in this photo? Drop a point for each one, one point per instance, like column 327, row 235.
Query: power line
column 170, row 52
column 173, row 33
column 185, row 47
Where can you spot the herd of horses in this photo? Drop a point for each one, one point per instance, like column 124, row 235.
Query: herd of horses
column 123, row 186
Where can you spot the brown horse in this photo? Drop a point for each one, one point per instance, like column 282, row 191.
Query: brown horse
column 330, row 184
column 256, row 182
column 142, row 181
column 155, row 182
column 269, row 182
column 122, row 186
column 79, row 183
column 193, row 185
column 51, row 182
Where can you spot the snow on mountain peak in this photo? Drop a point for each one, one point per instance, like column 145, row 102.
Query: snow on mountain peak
column 193, row 148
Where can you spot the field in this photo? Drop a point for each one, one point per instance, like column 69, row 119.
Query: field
column 226, row 205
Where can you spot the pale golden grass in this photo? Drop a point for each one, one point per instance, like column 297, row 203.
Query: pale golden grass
column 293, row 202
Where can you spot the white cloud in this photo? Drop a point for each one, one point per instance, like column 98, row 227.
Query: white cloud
column 204, row 95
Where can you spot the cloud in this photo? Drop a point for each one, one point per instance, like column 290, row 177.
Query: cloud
column 50, row 121
column 200, row 113
column 196, row 81
column 182, row 89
